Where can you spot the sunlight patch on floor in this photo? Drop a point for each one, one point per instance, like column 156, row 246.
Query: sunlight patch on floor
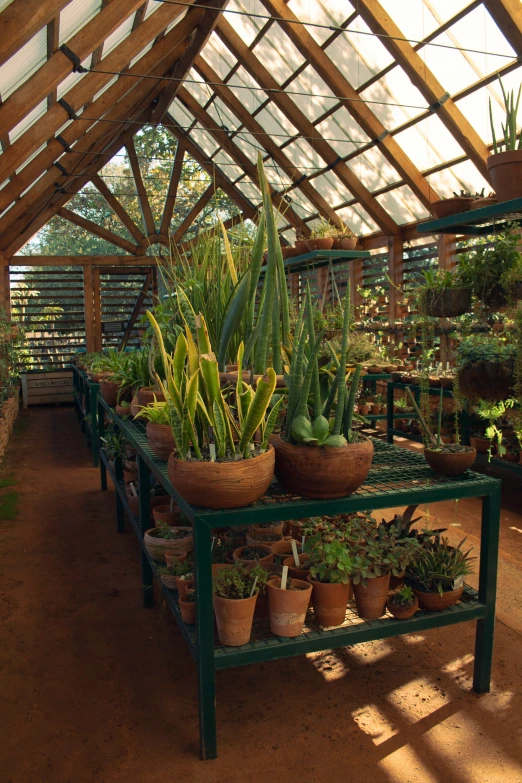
column 328, row 664
column 404, row 766
column 374, row 723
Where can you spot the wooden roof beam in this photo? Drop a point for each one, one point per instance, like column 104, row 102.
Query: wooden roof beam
column 99, row 231
column 380, row 22
column 508, row 17
column 253, row 126
column 53, row 40
column 172, row 192
column 22, row 19
column 194, row 212
column 117, row 208
column 141, row 190
column 352, row 101
column 264, row 78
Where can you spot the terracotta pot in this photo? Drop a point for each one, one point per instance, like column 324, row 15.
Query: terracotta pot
column 480, row 203
column 109, row 391
column 450, row 464
column 480, row 444
column 188, row 610
column 267, row 558
column 147, row 394
column 287, row 608
column 329, row 601
column 257, row 532
column 169, row 581
column 268, row 540
column 161, row 439
column 451, row 206
column 321, row 243
column 183, row 586
column 371, row 600
column 364, row 410
column 375, row 409
column 156, row 547
column 321, row 471
column 344, row 243
column 216, row 567
column 133, row 504
column 296, row 530
column 222, row 484
column 289, row 252
column 447, row 303
column 301, row 246
column 434, row 602
column 283, row 549
column 234, row 619
column 505, row 171
column 135, row 408
column 293, row 571
column 122, row 411
column 231, row 539
column 171, row 558
column 402, row 612
column 163, row 515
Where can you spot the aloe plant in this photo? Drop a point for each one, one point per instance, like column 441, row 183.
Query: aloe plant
column 509, row 128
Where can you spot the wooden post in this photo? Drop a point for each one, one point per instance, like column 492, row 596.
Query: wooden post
column 446, row 245
column 88, row 306
column 396, row 272
column 5, row 286
column 324, row 291
column 97, row 310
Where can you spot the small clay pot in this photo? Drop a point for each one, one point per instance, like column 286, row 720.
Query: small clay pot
column 135, row 408
column 188, row 610
column 163, row 515
column 161, row 439
column 505, row 170
column 293, row 571
column 344, row 243
column 222, row 484
column 130, row 475
column 122, row 410
column 451, row 206
column 283, row 549
column 217, row 567
column 234, row 619
column 402, row 612
column 109, row 391
column 329, row 601
column 147, row 395
column 171, row 558
column 169, row 581
column 267, row 540
column 156, row 547
column 287, row 608
column 434, row 602
column 258, row 532
column 480, row 203
column 183, row 586
column 364, row 410
column 321, row 243
column 267, row 558
column 450, row 463
column 375, row 409
column 301, row 246
column 479, row 443
column 371, row 600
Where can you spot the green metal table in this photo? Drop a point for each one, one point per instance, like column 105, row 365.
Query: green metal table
column 398, row 478
column 416, row 391
column 476, row 222
column 85, row 402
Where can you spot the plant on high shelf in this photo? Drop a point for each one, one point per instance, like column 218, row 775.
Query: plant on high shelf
column 505, row 165
column 218, row 461
column 486, row 268
column 448, row 459
column 320, row 453
column 442, row 295
column 235, row 596
column 437, row 574
column 342, row 237
column 403, row 604
column 485, row 366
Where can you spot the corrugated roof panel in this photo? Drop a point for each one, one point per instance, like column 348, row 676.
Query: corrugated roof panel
column 394, row 99
column 358, row 219
column 475, row 107
column 204, row 140
column 464, row 175
column 28, row 120
column 331, row 188
column 198, row 87
column 277, row 50
column 4, row 4
column 218, row 56
column 30, row 158
column 342, row 132
column 180, row 114
column 227, row 165
column 248, row 145
column 18, row 68
column 250, row 98
column 118, row 35
column 75, row 15
column 246, row 27
column 304, row 156
column 403, row 205
column 373, row 169
column 312, row 89
column 276, row 124
column 73, row 78
column 306, row 208
column 324, row 13
column 368, row 48
column 152, row 6
column 141, row 52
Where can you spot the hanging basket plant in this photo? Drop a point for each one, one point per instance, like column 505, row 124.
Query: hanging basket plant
column 442, row 295
column 485, row 368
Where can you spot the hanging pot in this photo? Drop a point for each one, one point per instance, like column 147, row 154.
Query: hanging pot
column 234, row 619
column 287, row 608
column 450, row 463
column 486, row 380
column 329, row 601
column 447, row 303
column 161, row 439
column 434, row 602
column 371, row 599
column 322, row 471
column 505, row 171
column 222, row 484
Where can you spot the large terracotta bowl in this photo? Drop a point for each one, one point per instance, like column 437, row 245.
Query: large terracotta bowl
column 322, row 472
column 161, row 439
column 450, row 464
column 222, row 484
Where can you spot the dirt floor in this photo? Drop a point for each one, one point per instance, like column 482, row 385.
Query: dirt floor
column 94, row 688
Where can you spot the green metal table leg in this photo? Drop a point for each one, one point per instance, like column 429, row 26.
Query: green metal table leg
column 389, row 411
column 146, row 570
column 93, row 393
column 101, row 433
column 120, row 511
column 487, row 590
column 205, row 632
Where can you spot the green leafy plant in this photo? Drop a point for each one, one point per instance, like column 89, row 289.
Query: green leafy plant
column 380, row 549
column 330, row 557
column 484, row 268
column 176, row 569
column 439, row 567
column 512, row 136
column 156, row 412
column 404, row 597
column 114, row 444
column 238, row 582
column 168, row 533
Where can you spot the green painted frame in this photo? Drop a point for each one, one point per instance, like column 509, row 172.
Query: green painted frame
column 85, row 389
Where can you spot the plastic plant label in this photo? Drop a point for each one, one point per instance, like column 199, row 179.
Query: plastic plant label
column 458, row 583
column 212, row 449
column 294, row 552
column 284, row 577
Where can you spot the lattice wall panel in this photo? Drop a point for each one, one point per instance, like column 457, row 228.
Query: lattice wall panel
column 118, row 295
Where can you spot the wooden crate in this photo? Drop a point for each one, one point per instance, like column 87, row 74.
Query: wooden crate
column 41, row 388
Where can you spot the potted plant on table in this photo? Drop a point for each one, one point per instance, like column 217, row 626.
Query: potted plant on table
column 330, row 570
column 505, row 165
column 437, row 574
column 187, row 605
column 159, row 540
column 287, row 605
column 459, row 202
column 253, row 554
column 159, row 432
column 235, row 595
column 442, row 295
column 321, row 237
column 403, row 604
column 169, row 574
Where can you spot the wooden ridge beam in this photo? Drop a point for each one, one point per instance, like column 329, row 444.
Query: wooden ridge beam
column 143, row 199
column 22, row 19
column 264, row 138
column 117, row 208
column 85, row 89
column 194, row 212
column 237, row 155
column 352, row 102
column 380, row 22
column 507, row 15
column 58, row 67
column 172, row 192
column 284, row 102
column 99, row 231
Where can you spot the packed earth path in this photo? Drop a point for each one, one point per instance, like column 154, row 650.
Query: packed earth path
column 96, row 689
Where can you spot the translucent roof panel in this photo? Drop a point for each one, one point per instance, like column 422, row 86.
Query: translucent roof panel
column 247, row 27
column 27, row 121
column 311, row 94
column 218, row 56
column 75, row 15
column 23, row 64
column 321, row 13
column 276, row 49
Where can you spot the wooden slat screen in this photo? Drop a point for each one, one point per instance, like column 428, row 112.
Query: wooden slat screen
column 119, row 291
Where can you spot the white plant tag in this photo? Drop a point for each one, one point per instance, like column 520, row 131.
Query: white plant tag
column 302, row 544
column 458, row 583
column 212, row 449
column 294, row 552
column 133, row 489
column 253, row 587
column 284, row 577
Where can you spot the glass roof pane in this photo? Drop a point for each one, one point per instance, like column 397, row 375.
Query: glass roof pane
column 197, row 87
column 324, row 13
column 276, row 49
column 245, row 26
column 311, row 91
column 331, row 188
column 342, row 132
column 227, row 165
column 23, row 64
column 218, row 56
column 357, row 219
column 275, row 123
column 394, row 99
column 402, row 204
column 304, row 156
column 75, row 15
column 248, row 145
column 373, row 169
column 461, row 176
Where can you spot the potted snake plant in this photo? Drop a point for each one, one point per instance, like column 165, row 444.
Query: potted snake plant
column 505, row 165
column 217, row 462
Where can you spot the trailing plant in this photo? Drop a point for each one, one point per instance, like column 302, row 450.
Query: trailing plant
column 484, row 268
column 492, row 412
column 237, row 582
column 440, row 568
